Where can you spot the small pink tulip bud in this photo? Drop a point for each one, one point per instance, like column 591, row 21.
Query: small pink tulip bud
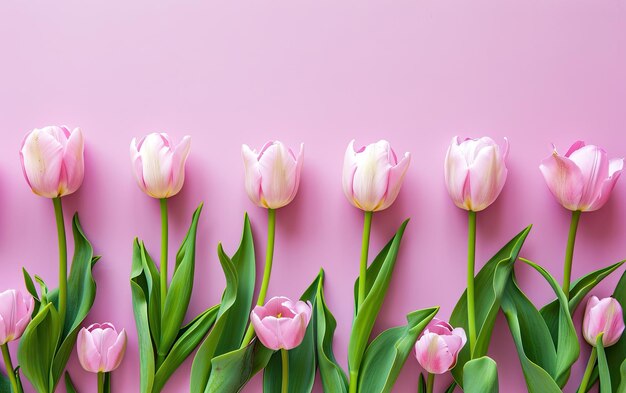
column 603, row 316
column 272, row 175
column 439, row 346
column 100, row 347
column 475, row 172
column 52, row 160
column 281, row 323
column 373, row 176
column 583, row 178
column 15, row 313
column 159, row 165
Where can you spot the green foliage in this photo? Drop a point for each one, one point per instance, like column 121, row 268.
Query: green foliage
column 480, row 376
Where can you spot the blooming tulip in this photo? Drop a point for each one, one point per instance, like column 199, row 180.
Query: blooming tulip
column 15, row 313
column 159, row 165
column 281, row 323
column 439, row 346
column 603, row 316
column 582, row 179
column 475, row 172
column 272, row 176
column 52, row 160
column 100, row 347
column 372, row 175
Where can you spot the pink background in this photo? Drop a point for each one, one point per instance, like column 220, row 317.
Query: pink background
column 318, row 72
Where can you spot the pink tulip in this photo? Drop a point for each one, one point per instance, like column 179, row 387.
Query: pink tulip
column 100, row 347
column 159, row 165
column 439, row 346
column 281, row 323
column 475, row 172
column 52, row 160
column 582, row 179
column 15, row 313
column 372, row 175
column 603, row 316
column 272, row 175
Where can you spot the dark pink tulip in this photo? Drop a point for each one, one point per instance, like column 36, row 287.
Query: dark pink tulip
column 281, row 323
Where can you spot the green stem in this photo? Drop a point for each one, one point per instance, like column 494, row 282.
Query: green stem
column 430, row 383
column 589, row 370
column 58, row 212
column 269, row 257
column 471, row 261
column 354, row 375
column 569, row 251
column 285, row 358
column 164, row 230
column 365, row 245
column 100, row 382
column 15, row 386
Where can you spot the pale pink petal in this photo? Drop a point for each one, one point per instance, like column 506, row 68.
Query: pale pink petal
column 456, row 175
column 156, row 165
column 594, row 167
column 88, row 354
column 252, row 175
column 396, row 178
column 575, row 146
column 371, row 176
column 115, row 353
column 299, row 162
column 349, row 168
column 615, row 170
column 564, row 179
column 278, row 176
column 42, row 159
column 292, row 331
column 73, row 163
column 432, row 354
column 268, row 332
column 487, row 175
column 179, row 158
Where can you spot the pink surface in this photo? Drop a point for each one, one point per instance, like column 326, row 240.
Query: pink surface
column 322, row 73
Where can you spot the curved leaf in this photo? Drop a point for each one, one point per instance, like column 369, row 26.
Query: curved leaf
column 69, row 385
column 301, row 359
column 146, row 350
column 480, row 376
column 377, row 281
column 489, row 286
column 616, row 353
column 603, row 367
column 179, row 292
column 386, row 355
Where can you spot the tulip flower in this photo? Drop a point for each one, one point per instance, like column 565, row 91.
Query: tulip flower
column 603, row 318
column 159, row 165
column 159, row 168
column 475, row 172
column 272, row 178
column 439, row 346
column 373, row 176
column 100, row 347
column 15, row 314
column 280, row 325
column 52, row 160
column 272, row 175
column 581, row 180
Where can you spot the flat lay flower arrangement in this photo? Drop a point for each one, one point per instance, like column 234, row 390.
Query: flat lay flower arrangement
column 290, row 340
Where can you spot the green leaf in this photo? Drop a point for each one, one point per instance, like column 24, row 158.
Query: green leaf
column 5, row 384
column 386, row 355
column 480, row 376
column 301, row 359
column 30, row 287
column 603, row 367
column 489, row 286
column 580, row 288
column 333, row 377
column 377, row 281
column 231, row 371
column 188, row 339
column 238, row 315
column 421, row 384
column 451, row 388
column 201, row 367
column 81, row 293
column 545, row 367
column 69, row 385
column 622, row 385
column 144, row 267
column 179, row 292
column 616, row 353
column 37, row 348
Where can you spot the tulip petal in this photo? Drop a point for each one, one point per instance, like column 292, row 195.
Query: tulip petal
column 156, row 165
column 278, row 176
column 371, row 176
column 73, row 163
column 564, row 179
column 292, row 331
column 88, row 354
column 42, row 159
column 456, row 173
column 432, row 353
column 299, row 162
column 349, row 168
column 594, row 167
column 396, row 178
column 252, row 175
column 3, row 332
column 486, row 176
column 179, row 158
column 615, row 170
column 115, row 353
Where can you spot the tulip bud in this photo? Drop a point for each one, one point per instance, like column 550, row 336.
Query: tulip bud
column 281, row 323
column 439, row 346
column 583, row 178
column 475, row 172
column 273, row 175
column 100, row 348
column 159, row 166
column 372, row 175
column 52, row 160
column 15, row 313
column 603, row 316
